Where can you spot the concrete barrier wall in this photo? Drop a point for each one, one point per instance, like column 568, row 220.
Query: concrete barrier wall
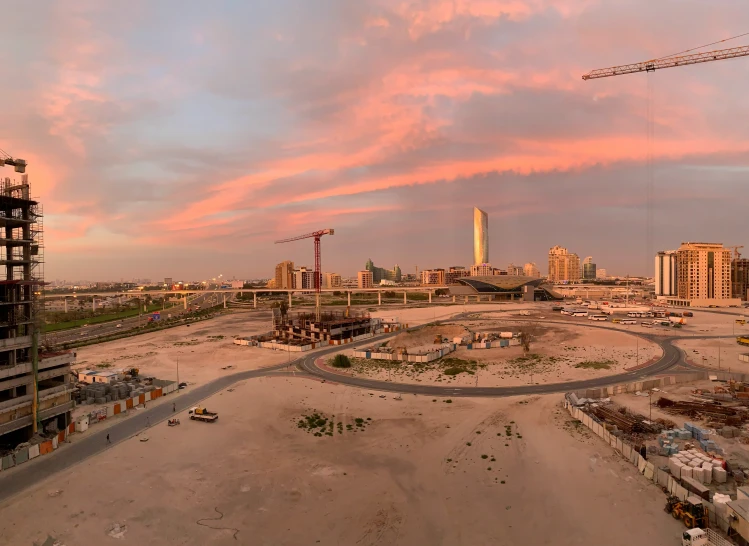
column 659, row 382
column 428, row 357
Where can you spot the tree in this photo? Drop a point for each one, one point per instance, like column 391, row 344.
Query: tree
column 527, row 336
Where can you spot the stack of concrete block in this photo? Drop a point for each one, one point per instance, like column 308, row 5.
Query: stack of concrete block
column 719, row 475
column 675, row 465
column 707, row 473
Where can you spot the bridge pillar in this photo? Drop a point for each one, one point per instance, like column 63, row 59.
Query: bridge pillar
column 404, row 297
column 93, row 304
column 289, row 299
column 453, row 299
column 349, row 298
column 65, row 303
column 430, row 296
column 254, row 300
column 224, row 301
column 185, row 295
column 379, row 298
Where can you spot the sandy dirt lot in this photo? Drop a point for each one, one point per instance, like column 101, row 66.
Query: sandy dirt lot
column 203, row 349
column 704, row 352
column 417, row 472
column 559, row 353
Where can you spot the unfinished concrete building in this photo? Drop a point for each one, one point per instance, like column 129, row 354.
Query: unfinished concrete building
column 302, row 328
column 35, row 394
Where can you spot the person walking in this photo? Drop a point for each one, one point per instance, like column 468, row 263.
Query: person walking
column 174, row 407
column 108, row 440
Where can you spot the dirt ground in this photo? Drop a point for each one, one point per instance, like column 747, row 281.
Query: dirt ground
column 202, row 349
column 559, row 353
column 418, row 471
column 704, row 352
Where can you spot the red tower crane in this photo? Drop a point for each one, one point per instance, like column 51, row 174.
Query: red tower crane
column 318, row 271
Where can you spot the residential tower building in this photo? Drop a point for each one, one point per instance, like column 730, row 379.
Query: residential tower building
column 563, row 265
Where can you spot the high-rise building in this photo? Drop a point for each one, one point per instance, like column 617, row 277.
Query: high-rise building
column 433, row 276
column 365, row 279
column 380, row 273
column 480, row 237
column 665, row 273
column 285, row 275
column 740, row 278
column 563, row 265
column 304, row 279
column 601, row 273
column 703, row 271
column 589, row 269
column 482, row 270
column 35, row 388
column 531, row 270
column 513, row 269
column 454, row 273
column 332, row 280
column 168, row 281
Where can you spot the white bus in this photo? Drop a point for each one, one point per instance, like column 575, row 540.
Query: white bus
column 579, row 313
column 598, row 317
column 629, row 321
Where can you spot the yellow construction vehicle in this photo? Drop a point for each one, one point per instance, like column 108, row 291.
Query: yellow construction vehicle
column 691, row 511
column 131, row 372
column 742, row 340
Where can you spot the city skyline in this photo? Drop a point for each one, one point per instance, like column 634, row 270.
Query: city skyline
column 378, row 120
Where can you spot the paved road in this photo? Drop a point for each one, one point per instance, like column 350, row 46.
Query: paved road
column 14, row 481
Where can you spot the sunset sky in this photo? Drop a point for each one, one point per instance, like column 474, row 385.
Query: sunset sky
column 181, row 138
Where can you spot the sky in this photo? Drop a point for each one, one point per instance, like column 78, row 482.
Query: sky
column 169, row 138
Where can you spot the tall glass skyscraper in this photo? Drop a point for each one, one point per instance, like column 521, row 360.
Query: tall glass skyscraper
column 480, row 237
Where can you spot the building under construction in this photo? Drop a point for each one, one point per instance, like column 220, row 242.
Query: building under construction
column 35, row 395
column 302, row 328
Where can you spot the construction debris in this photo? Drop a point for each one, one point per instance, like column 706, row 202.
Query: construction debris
column 625, row 421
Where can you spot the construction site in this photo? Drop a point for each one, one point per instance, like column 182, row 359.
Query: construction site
column 35, row 394
column 305, row 328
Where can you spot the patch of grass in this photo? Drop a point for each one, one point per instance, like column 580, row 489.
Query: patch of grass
column 454, row 371
column 104, row 365
column 448, row 401
column 596, row 364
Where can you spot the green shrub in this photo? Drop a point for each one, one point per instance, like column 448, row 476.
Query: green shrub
column 453, row 371
column 341, row 361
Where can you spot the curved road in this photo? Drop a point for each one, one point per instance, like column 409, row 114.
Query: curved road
column 16, row 480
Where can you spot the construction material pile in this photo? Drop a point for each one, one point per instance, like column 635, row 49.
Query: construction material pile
column 101, row 393
column 625, row 420
column 698, row 466
column 728, row 415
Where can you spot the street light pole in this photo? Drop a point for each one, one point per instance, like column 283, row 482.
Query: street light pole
column 178, row 372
